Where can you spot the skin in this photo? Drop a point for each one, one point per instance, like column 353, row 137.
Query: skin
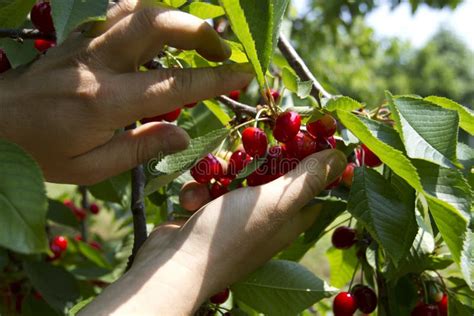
column 69, row 126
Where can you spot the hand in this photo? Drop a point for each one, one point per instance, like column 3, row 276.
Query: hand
column 66, row 107
column 179, row 267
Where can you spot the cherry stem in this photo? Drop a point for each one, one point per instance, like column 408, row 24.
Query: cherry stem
column 353, row 274
column 301, row 69
column 138, row 208
column 442, row 281
column 21, row 34
column 85, row 206
column 236, row 106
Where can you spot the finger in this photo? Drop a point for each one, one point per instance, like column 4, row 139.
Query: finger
column 129, row 149
column 115, row 13
column 193, row 196
column 146, row 32
column 147, row 94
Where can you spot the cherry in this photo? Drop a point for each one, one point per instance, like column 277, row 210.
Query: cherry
column 365, row 297
column 323, row 143
column 78, row 238
column 255, row 141
column 273, row 163
column 235, row 95
column 274, row 94
column 301, row 146
column 344, row 304
column 94, row 244
column 443, row 306
column 348, row 174
column 4, row 62
column 366, row 157
column 190, row 105
column 217, row 190
column 169, row 117
column 206, row 169
column 256, row 178
column 343, row 237
column 220, row 297
column 41, row 17
column 424, row 309
column 237, row 161
column 43, row 45
column 94, row 208
column 324, row 127
column 78, row 212
column 287, row 125
column 333, row 184
column 58, row 245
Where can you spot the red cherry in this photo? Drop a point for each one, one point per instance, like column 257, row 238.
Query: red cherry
column 94, row 244
column 255, row 141
column 443, row 306
column 344, row 304
column 324, row 127
column 58, row 245
column 256, row 178
column 78, row 238
column 94, row 208
column 235, row 95
column 206, row 169
column 217, row 190
column 274, row 94
column 220, row 297
column 323, row 143
column 43, row 45
column 301, row 146
column 365, row 297
column 273, row 163
column 237, row 162
column 424, row 309
column 4, row 62
column 343, row 237
column 348, row 174
column 287, row 125
column 79, row 213
column 369, row 158
column 190, row 105
column 172, row 116
column 41, row 17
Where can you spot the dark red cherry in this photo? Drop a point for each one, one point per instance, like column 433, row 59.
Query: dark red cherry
column 443, row 306
column 206, row 169
column 365, row 297
column 4, row 62
column 274, row 94
column 43, row 45
column 369, row 158
column 324, row 127
column 301, row 146
column 217, row 189
column 94, row 244
column 343, row 237
column 348, row 174
column 275, row 156
column 58, row 245
column 255, row 142
column 424, row 309
column 235, row 95
column 287, row 125
column 256, row 178
column 41, row 17
column 94, row 208
column 190, row 105
column 237, row 161
column 344, row 304
column 323, row 143
column 172, row 116
column 220, row 297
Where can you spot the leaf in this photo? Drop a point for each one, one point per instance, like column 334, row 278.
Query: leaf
column 216, row 109
column 57, row 286
column 296, row 251
column 204, row 10
column 455, row 307
column 198, row 147
column 32, row 306
column 175, row 3
column 115, row 189
column 160, row 181
column 59, row 213
column 19, row 53
column 466, row 116
column 14, row 12
column 342, row 264
column 281, row 288
column 374, row 202
column 293, row 83
column 92, row 255
column 428, row 131
column 69, row 14
column 330, row 210
column 238, row 54
column 23, row 202
column 465, row 155
column 342, row 103
column 79, row 306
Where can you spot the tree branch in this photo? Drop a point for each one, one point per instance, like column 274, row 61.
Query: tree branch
column 138, row 209
column 85, row 207
column 237, row 107
column 21, row 34
column 299, row 66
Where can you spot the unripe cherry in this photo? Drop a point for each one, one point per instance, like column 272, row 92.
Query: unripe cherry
column 324, row 127
column 343, row 237
column 255, row 141
column 287, row 125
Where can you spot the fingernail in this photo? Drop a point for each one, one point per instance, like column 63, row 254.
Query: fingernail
column 243, row 67
column 336, row 161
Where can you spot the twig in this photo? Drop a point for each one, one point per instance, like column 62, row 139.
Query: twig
column 299, row 66
column 21, row 34
column 237, row 107
column 85, row 207
column 138, row 209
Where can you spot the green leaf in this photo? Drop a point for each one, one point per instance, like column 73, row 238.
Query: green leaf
column 281, row 288
column 115, row 189
column 58, row 287
column 375, row 203
column 175, row 3
column 18, row 53
column 330, row 210
column 238, row 53
column 204, row 10
column 455, row 307
column 23, row 201
column 32, row 306
column 79, row 306
column 69, row 14
column 160, row 181
column 342, row 264
column 216, row 109
column 92, row 255
column 59, row 213
column 466, row 116
column 465, row 155
column 296, row 251
column 198, row 147
column 342, row 103
column 14, row 12
column 428, row 131
column 293, row 83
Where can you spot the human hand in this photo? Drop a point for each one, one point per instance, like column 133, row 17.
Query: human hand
column 65, row 108
column 179, row 267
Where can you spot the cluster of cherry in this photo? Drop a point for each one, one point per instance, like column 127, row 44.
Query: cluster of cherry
column 58, row 244
column 40, row 16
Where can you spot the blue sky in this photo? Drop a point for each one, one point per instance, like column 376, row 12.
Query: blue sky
column 418, row 28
